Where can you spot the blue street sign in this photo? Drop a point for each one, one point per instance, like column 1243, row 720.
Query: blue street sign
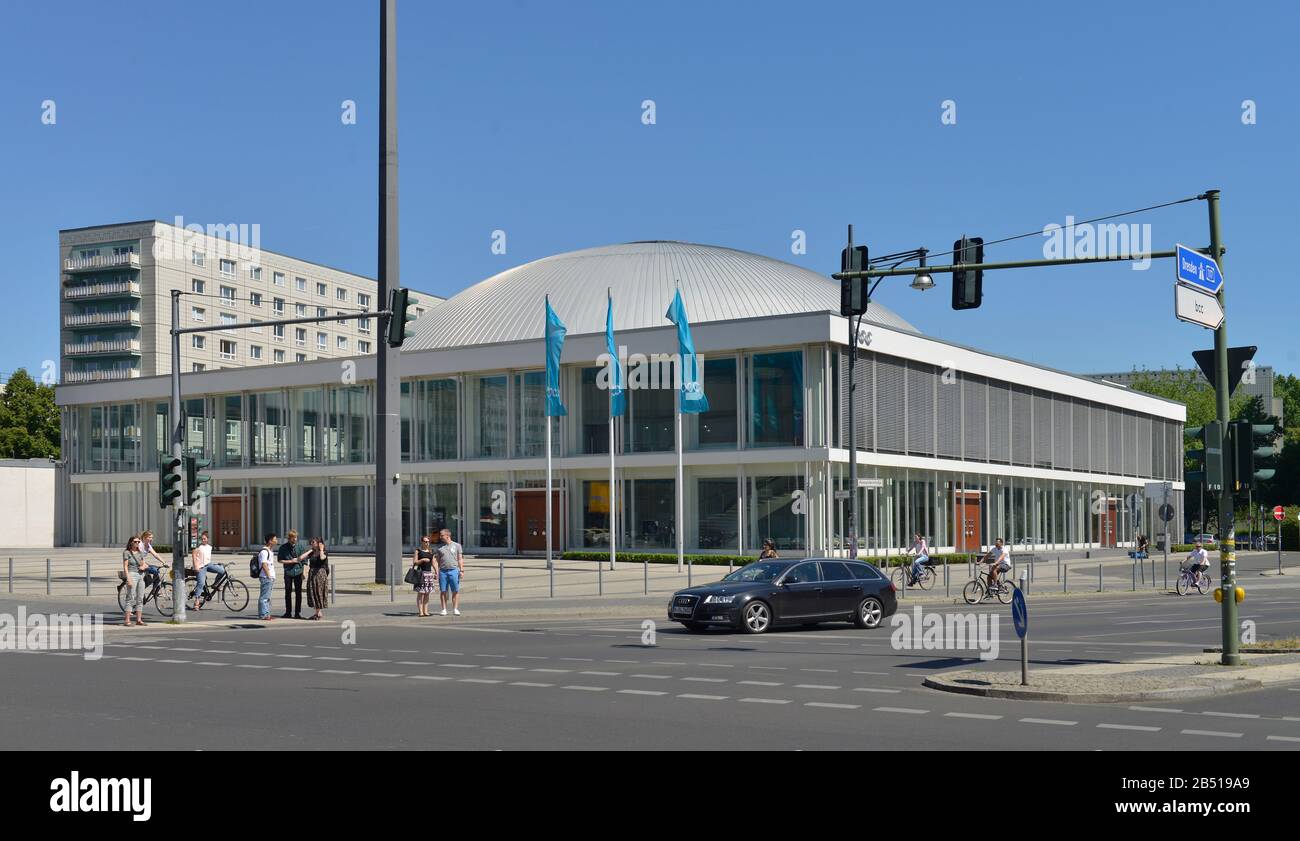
column 1019, row 613
column 1197, row 270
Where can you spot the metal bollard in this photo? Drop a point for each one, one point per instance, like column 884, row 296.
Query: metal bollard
column 501, row 580
column 728, row 566
column 1065, row 579
column 11, row 575
column 88, row 576
column 332, row 571
column 600, row 579
column 1100, row 586
column 1135, row 574
column 645, row 576
column 947, row 588
column 1058, row 567
column 392, row 584
column 551, row 574
column 689, row 567
column 47, row 576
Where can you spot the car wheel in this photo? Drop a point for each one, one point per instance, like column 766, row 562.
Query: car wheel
column 694, row 627
column 869, row 613
column 757, row 617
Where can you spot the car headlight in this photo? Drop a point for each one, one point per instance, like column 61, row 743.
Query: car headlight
column 720, row 600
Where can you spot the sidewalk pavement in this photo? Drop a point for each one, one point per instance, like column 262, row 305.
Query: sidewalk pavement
column 1173, row 677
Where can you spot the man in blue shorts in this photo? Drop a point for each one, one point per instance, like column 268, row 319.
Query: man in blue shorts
column 451, row 566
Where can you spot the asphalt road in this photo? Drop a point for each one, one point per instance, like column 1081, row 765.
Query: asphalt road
column 454, row 683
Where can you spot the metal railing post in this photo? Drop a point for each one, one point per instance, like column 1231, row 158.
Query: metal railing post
column 1058, row 567
column 501, row 580
column 690, row 566
column 47, row 576
column 551, row 577
column 1135, row 574
column 392, row 583
column 332, row 571
column 1065, row 579
column 87, row 576
column 600, row 579
column 645, row 576
column 947, row 584
column 11, row 575
column 1100, row 586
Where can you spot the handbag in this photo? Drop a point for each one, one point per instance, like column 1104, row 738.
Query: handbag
column 413, row 576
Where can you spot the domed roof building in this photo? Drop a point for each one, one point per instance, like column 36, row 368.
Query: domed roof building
column 956, row 443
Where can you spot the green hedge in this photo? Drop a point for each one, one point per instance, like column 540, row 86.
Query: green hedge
column 654, row 558
column 739, row 560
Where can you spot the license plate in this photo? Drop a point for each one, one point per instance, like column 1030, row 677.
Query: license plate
column 682, row 611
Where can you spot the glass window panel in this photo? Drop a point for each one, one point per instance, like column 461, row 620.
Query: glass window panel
column 595, row 414
column 530, row 414
column 776, row 503
column 490, row 400
column 438, row 420
column 718, row 508
column 652, row 419
column 649, row 511
column 491, row 529
column 777, row 399
column 595, row 514
column 717, row 427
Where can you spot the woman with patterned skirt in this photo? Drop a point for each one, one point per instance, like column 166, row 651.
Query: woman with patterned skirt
column 318, row 578
column 428, row 581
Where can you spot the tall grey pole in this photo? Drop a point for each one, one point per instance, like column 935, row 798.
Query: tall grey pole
column 1227, row 530
column 178, row 443
column 852, row 520
column 388, row 492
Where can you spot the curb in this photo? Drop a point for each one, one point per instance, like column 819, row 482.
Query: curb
column 1184, row 692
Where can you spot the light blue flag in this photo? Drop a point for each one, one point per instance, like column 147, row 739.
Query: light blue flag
column 617, row 398
column 555, row 332
column 692, row 396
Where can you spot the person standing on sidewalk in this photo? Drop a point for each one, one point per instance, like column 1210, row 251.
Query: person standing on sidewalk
column 318, row 578
column 451, row 565
column 422, row 563
column 768, row 551
column 266, row 576
column 292, row 554
column 133, row 567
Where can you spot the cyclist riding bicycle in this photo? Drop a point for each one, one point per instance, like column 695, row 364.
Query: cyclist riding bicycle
column 1197, row 562
column 999, row 560
column 922, row 552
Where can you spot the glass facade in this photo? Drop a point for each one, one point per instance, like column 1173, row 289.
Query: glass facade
column 763, row 400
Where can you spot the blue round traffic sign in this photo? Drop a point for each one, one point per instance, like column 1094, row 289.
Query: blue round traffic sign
column 1019, row 613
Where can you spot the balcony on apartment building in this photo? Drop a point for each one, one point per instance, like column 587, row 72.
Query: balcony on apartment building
column 107, row 289
column 102, row 319
column 100, row 375
column 110, row 347
column 101, row 262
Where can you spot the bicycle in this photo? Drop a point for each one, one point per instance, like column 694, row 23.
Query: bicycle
column 977, row 590
column 232, row 591
column 903, row 572
column 1188, row 580
column 158, row 591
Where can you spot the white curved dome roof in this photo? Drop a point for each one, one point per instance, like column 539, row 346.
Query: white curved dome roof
column 718, row 284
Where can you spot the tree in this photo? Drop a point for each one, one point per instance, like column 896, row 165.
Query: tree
column 29, row 419
column 1287, row 387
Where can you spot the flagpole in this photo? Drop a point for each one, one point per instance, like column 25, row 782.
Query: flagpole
column 548, row 492
column 681, row 532
column 612, row 528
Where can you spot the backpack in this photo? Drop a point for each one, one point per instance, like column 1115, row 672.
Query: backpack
column 255, row 565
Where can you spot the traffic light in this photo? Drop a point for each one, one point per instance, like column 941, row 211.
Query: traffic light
column 853, row 291
column 194, row 480
column 1209, row 457
column 169, row 480
column 400, row 302
column 1250, row 445
column 967, row 285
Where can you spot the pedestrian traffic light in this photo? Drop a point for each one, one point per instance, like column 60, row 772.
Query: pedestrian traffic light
column 400, row 302
column 194, row 480
column 1209, row 457
column 169, row 480
column 853, row 291
column 967, row 284
column 1250, row 445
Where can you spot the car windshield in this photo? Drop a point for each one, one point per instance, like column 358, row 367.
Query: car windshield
column 758, row 571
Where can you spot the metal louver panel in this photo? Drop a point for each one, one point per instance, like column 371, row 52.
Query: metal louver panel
column 1042, row 429
column 1081, row 436
column 920, row 408
column 842, row 439
column 1062, row 432
column 949, row 413
column 890, row 380
column 1022, row 442
column 999, row 421
column 975, row 417
column 1130, row 443
column 1114, row 442
column 1099, row 438
column 1145, row 448
column 864, row 402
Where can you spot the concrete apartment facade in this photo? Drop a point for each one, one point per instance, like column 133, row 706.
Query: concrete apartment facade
column 115, row 302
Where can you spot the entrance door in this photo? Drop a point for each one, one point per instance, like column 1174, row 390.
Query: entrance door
column 227, row 523
column 968, row 515
column 530, row 519
column 1106, row 525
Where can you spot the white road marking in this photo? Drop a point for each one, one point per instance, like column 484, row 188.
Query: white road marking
column 1156, row 709
column 1129, row 727
column 553, row 671
column 428, row 677
column 210, row 663
column 528, row 683
column 1211, row 733
column 336, row 672
column 255, row 666
column 602, row 674
column 759, row 683
column 908, row 710
column 1049, row 721
column 833, row 706
column 640, row 692
column 385, row 674
column 1282, row 738
column 1230, row 715
column 877, row 689
column 587, row 688
column 763, row 701
column 652, row 677
column 707, row 679
column 703, row 697
column 814, row 686
column 981, row 716
column 477, row 680
column 293, row 669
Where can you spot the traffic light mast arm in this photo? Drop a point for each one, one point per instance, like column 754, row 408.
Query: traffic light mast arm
column 283, row 321
column 1017, row 264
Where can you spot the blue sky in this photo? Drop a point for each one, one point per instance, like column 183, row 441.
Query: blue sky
column 770, row 117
